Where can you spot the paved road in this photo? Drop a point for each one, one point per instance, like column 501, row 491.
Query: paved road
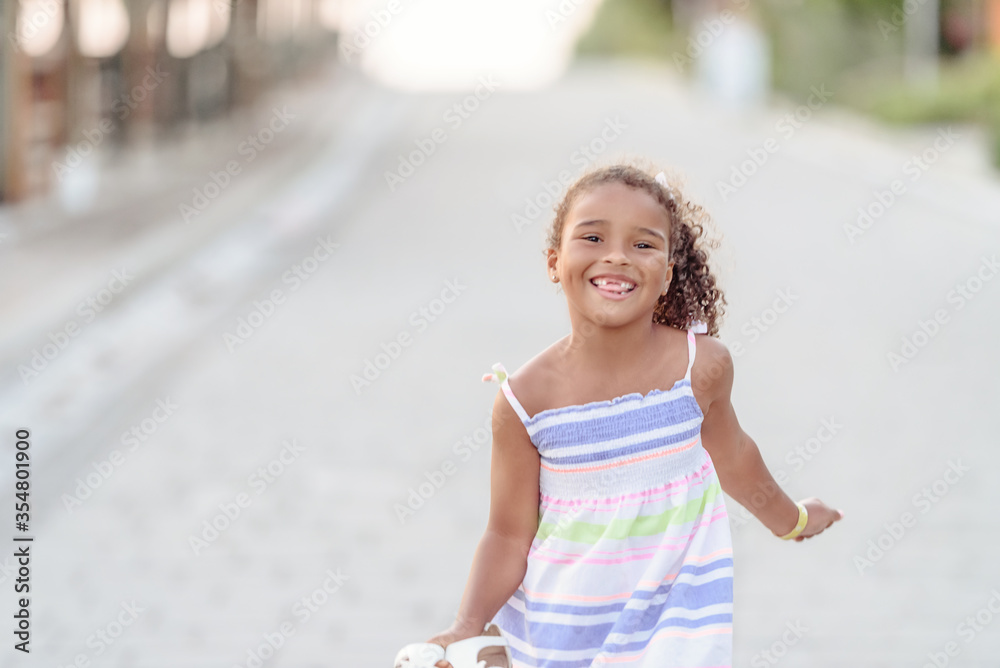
column 220, row 385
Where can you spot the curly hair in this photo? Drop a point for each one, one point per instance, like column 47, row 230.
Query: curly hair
column 693, row 293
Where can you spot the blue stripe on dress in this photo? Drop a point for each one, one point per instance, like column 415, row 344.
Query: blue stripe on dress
column 590, row 429
column 578, row 609
column 576, row 637
column 615, row 452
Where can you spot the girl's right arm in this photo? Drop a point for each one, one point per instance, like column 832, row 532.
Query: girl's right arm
column 501, row 559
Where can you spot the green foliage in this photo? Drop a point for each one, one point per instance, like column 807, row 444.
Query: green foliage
column 632, row 28
column 812, row 43
column 871, row 8
column 968, row 91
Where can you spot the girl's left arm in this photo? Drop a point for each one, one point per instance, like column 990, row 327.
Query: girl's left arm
column 741, row 469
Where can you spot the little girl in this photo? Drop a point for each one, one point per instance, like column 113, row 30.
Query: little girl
column 608, row 540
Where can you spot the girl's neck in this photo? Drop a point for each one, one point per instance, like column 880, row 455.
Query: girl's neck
column 611, row 352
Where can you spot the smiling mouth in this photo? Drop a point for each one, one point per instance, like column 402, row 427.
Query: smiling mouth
column 614, row 287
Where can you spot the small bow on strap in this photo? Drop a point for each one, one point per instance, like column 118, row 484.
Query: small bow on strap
column 699, row 327
column 498, row 375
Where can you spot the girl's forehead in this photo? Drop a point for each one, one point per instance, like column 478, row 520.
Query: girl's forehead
column 617, row 200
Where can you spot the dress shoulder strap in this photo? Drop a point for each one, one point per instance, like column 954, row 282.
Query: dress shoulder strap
column 699, row 328
column 500, row 376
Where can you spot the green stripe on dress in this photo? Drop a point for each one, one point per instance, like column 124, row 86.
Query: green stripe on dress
column 645, row 525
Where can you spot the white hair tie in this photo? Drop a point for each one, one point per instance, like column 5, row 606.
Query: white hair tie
column 661, row 178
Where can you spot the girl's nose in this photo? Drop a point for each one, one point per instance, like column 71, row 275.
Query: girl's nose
column 615, row 253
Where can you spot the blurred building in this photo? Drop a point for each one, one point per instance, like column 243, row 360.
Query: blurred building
column 993, row 17
column 101, row 74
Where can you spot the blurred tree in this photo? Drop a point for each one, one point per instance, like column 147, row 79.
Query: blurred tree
column 867, row 8
column 14, row 110
column 631, row 27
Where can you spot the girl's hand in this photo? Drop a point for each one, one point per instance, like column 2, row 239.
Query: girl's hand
column 452, row 634
column 821, row 516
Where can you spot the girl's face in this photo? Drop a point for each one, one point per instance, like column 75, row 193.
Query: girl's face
column 613, row 260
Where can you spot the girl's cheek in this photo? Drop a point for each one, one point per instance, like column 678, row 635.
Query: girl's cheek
column 656, row 264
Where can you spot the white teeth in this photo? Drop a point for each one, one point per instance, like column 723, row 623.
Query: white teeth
column 626, row 286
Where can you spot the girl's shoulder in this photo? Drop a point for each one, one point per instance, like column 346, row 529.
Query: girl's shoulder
column 710, row 349
column 705, row 346
column 712, row 372
column 538, row 380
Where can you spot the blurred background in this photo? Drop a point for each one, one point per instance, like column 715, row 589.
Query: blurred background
column 256, row 256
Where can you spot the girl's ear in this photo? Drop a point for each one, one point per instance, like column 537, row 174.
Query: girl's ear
column 670, row 276
column 551, row 261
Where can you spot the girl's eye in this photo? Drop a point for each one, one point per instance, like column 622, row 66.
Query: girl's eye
column 641, row 244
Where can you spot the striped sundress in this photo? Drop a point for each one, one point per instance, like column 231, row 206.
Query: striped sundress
column 632, row 564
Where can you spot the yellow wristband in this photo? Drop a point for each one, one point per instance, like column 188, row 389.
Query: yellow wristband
column 803, row 518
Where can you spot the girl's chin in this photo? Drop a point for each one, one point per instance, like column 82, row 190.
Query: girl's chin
column 615, row 314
